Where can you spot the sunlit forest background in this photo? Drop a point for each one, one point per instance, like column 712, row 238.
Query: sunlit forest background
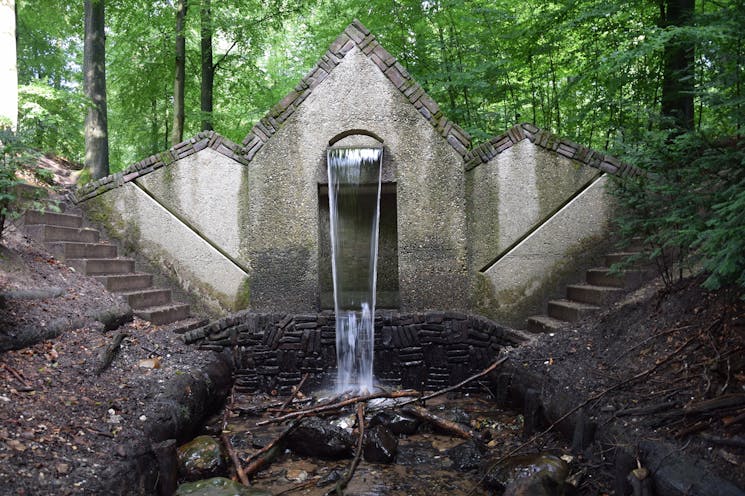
column 656, row 82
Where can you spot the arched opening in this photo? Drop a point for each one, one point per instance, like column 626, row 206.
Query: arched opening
column 387, row 288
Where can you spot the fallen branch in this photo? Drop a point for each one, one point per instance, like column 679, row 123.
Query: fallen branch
column 341, row 404
column 16, row 374
column 344, row 481
column 446, row 390
column 108, row 356
column 234, row 458
column 732, row 442
column 439, row 422
column 265, row 455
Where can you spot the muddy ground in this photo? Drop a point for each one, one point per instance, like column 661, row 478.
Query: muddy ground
column 663, row 365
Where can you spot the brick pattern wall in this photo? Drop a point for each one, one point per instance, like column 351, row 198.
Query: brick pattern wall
column 423, row 350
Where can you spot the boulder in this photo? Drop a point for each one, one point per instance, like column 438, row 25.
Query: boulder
column 380, row 445
column 398, row 423
column 218, row 486
column 199, row 458
column 466, row 456
column 536, row 473
column 317, row 438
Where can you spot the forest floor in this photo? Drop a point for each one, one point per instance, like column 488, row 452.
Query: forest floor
column 664, row 363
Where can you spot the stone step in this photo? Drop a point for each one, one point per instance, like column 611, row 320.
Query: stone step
column 627, row 279
column 148, row 298
column 126, row 282
column 35, row 217
column 622, row 256
column 164, row 314
column 67, row 249
column 569, row 311
column 46, row 234
column 102, row 266
column 594, row 295
column 544, row 323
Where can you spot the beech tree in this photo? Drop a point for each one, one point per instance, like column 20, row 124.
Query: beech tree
column 177, row 134
column 94, row 70
column 8, row 67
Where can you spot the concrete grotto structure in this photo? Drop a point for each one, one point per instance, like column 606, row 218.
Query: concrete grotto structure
column 491, row 229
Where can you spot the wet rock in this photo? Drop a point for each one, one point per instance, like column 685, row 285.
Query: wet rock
column 218, row 486
column 536, row 472
column 398, row 423
column 380, row 445
column 201, row 457
column 466, row 456
column 318, row 438
column 539, row 484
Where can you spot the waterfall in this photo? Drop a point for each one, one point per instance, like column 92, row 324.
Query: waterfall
column 354, row 206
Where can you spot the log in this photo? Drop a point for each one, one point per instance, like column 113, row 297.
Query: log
column 453, row 428
column 110, row 353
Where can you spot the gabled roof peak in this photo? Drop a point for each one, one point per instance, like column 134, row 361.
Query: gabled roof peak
column 356, row 35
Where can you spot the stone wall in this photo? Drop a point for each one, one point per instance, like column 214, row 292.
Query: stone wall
column 420, row 350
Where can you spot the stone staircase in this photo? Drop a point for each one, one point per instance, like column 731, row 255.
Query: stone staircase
column 81, row 248
column 601, row 287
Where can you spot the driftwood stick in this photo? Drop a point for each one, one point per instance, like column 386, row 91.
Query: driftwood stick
column 108, row 356
column 295, row 392
column 234, row 458
column 344, row 481
column 276, row 442
column 16, row 374
column 264, row 460
column 341, row 404
column 446, row 390
column 439, row 422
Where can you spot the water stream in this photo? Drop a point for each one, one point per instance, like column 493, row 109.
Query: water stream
column 354, row 176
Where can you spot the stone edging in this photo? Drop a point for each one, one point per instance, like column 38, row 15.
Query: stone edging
column 486, row 151
column 204, row 139
column 356, row 34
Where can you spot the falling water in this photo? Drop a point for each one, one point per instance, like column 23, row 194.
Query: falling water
column 354, row 205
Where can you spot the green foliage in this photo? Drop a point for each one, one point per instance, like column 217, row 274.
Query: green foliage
column 51, row 119
column 690, row 208
column 16, row 162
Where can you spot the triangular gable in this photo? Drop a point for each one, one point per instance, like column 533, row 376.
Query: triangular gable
column 204, row 139
column 486, row 151
column 357, row 35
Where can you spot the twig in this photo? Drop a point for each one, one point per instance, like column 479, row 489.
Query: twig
column 16, row 374
column 298, row 487
column 645, row 341
column 295, row 392
column 335, row 406
column 481, row 374
column 234, row 458
column 342, row 483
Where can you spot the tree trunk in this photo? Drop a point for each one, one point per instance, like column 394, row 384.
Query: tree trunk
column 8, row 65
column 678, row 66
column 208, row 69
column 94, row 83
column 177, row 134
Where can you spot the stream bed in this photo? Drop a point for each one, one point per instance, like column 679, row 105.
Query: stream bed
column 426, row 459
